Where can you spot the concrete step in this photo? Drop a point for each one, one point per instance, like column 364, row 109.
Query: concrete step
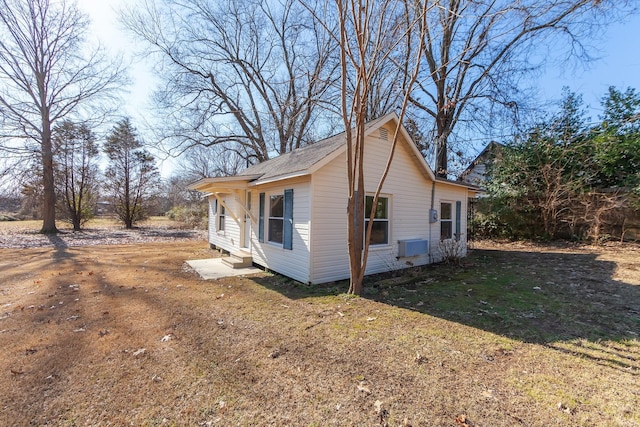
column 238, row 259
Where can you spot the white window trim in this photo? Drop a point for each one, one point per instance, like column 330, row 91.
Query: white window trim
column 378, row 246
column 450, row 220
column 269, row 218
column 221, row 217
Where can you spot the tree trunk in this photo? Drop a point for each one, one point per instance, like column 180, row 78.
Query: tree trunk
column 444, row 120
column 441, row 156
column 356, row 232
column 49, row 194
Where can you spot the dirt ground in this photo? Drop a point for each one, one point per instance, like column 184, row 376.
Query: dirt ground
column 126, row 334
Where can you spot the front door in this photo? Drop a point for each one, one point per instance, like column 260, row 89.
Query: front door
column 247, row 222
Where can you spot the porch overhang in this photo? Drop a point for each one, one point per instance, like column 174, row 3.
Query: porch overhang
column 221, row 185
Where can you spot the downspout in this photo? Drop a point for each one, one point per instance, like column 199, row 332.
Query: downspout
column 433, row 195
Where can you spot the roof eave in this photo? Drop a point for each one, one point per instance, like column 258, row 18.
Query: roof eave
column 272, row 179
column 225, row 183
column 459, row 184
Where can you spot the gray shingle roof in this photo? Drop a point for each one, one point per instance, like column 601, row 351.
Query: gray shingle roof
column 298, row 160
column 301, row 159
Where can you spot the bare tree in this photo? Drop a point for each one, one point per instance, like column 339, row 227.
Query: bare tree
column 476, row 51
column 372, row 36
column 76, row 171
column 200, row 161
column 44, row 77
column 246, row 74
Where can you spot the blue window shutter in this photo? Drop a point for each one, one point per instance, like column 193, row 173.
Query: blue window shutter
column 261, row 219
column 458, row 213
column 287, row 227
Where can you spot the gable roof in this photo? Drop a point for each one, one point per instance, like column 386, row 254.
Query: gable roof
column 302, row 160
column 306, row 160
column 296, row 161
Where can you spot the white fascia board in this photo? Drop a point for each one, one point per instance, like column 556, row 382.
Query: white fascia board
column 227, row 182
column 278, row 178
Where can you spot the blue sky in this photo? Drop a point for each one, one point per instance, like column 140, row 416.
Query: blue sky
column 618, row 64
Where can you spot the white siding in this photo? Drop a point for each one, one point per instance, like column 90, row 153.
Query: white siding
column 409, row 192
column 449, row 194
column 292, row 263
column 229, row 238
column 319, row 251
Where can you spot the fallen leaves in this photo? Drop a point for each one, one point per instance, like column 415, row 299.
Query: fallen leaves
column 363, row 388
column 564, row 408
column 381, row 413
column 274, row 354
column 97, row 235
column 463, row 421
column 139, row 352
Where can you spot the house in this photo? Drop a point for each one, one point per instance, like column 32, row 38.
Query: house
column 289, row 214
column 477, row 172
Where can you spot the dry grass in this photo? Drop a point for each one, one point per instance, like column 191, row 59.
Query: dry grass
column 125, row 335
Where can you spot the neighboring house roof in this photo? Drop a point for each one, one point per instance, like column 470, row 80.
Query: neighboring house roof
column 476, row 172
column 305, row 160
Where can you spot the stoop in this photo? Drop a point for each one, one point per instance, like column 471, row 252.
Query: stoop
column 239, row 259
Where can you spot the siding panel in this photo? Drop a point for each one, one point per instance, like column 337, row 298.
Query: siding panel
column 409, row 192
column 229, row 238
column 293, row 263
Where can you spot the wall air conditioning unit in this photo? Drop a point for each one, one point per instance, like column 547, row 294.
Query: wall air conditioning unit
column 412, row 247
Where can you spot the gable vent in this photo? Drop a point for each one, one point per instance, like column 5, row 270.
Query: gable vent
column 384, row 134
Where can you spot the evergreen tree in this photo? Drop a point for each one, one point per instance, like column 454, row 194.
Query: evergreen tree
column 132, row 177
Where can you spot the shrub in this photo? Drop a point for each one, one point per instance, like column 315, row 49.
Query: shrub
column 193, row 216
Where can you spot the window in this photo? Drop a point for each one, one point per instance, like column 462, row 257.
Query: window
column 221, row 217
column 446, row 221
column 276, row 218
column 380, row 230
column 279, row 218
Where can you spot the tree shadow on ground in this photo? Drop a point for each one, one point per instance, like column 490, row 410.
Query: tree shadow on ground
column 536, row 297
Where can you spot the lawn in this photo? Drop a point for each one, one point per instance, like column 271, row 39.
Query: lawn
column 126, row 334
